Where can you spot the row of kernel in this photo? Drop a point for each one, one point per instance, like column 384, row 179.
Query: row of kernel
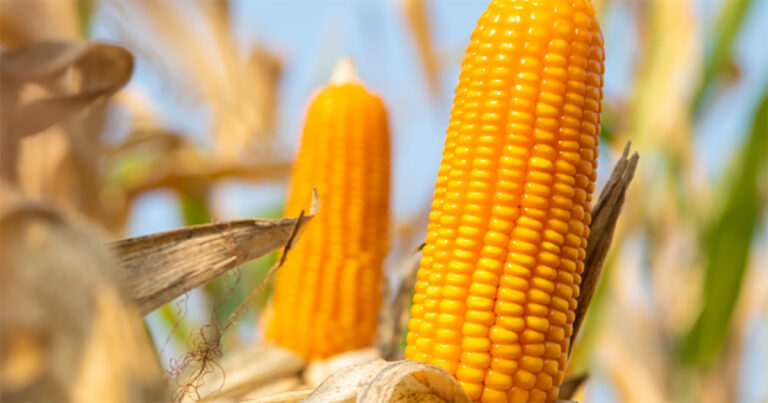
column 559, row 282
column 447, row 286
column 447, row 281
column 449, row 211
column 508, row 187
column 544, row 335
column 459, row 225
column 291, row 278
column 517, row 161
column 428, row 252
column 526, row 255
column 492, row 234
column 564, row 301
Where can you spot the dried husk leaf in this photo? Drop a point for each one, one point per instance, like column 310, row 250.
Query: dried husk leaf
column 240, row 87
column 318, row 371
column 237, row 374
column 417, row 17
column 25, row 21
column 68, row 332
column 605, row 214
column 52, row 107
column 569, row 386
column 394, row 315
column 160, row 267
column 104, row 69
column 382, row 381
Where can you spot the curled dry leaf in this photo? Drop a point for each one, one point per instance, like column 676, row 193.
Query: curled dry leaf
column 160, row 267
column 102, row 68
column 68, row 332
column 382, row 381
column 105, row 69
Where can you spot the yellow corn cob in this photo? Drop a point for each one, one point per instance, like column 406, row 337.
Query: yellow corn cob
column 500, row 273
column 327, row 294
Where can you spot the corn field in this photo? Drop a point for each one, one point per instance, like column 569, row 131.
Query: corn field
column 384, row 200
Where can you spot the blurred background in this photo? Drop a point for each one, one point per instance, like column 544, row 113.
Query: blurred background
column 208, row 126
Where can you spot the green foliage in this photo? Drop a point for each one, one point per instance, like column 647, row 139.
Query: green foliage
column 727, row 246
column 194, row 207
column 717, row 59
column 85, row 12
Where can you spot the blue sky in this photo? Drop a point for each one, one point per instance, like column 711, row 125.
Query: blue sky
column 310, row 36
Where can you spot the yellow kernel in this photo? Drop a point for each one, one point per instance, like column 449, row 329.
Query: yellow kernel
column 504, row 365
column 448, row 365
column 535, row 350
column 537, row 309
column 552, row 367
column 451, row 306
column 475, row 344
column 518, row 395
column 544, row 381
column 536, row 323
column 499, row 335
column 511, row 295
column 538, row 296
column 497, row 380
column 476, row 360
column 508, row 308
column 447, row 351
column 538, row 396
column 553, row 350
column 532, row 336
column 511, row 322
column 514, row 282
column 473, row 389
column 525, row 379
column 533, row 364
column 469, row 374
column 480, row 317
column 454, row 292
column 493, row 395
column 482, row 290
column 506, row 351
column 479, row 303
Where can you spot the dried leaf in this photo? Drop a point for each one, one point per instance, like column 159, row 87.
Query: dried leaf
column 571, row 385
column 604, row 216
column 285, row 397
column 240, row 87
column 318, row 371
column 249, row 368
column 383, row 381
column 103, row 69
column 160, row 267
column 417, row 16
column 25, row 21
column 69, row 331
column 395, row 315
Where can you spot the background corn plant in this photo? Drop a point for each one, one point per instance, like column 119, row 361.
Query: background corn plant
column 209, row 124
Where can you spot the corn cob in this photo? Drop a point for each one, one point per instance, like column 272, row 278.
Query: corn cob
column 499, row 277
column 327, row 294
